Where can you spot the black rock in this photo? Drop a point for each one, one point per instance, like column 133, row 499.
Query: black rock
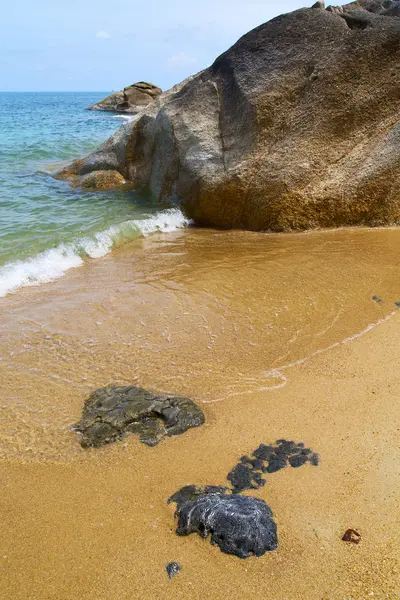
column 243, row 478
column 298, row 460
column 191, row 492
column 263, row 452
column 314, row 459
column 306, row 451
column 286, row 447
column 111, row 412
column 276, row 463
column 239, row 525
column 257, row 464
column 172, row 568
column 268, row 459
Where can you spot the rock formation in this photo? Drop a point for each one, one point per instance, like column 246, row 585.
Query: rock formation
column 296, row 126
column 246, row 475
column 111, row 412
column 239, row 525
column 131, row 99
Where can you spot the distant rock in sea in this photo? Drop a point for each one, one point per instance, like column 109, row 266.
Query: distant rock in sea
column 129, row 100
column 296, row 126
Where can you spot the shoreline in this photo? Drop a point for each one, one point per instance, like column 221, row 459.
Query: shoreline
column 95, row 524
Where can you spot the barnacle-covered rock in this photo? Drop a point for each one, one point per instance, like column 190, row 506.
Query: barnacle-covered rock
column 112, row 411
column 239, row 525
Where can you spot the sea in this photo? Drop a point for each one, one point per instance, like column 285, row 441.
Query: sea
column 46, row 226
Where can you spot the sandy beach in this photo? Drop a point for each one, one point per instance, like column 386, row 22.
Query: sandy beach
column 274, row 336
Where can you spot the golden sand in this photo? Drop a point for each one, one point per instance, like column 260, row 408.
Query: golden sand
column 263, row 332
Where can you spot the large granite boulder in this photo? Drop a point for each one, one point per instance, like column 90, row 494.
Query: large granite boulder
column 130, row 100
column 295, row 126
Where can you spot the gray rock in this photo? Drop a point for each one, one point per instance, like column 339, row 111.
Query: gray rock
column 131, row 99
column 111, row 412
column 173, row 568
column 295, row 126
column 239, row 525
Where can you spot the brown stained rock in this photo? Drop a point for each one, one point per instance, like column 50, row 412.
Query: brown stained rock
column 352, row 536
column 101, row 180
column 296, row 126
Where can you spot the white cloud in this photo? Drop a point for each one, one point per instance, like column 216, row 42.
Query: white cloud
column 103, row 35
column 181, row 61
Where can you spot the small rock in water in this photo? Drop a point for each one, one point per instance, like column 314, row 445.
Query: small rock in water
column 239, row 525
column 352, row 536
column 377, row 299
column 112, row 411
column 172, row 568
column 397, row 304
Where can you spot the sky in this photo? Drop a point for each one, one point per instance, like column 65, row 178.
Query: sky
column 98, row 45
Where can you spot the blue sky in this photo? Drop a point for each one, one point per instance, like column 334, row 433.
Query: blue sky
column 54, row 45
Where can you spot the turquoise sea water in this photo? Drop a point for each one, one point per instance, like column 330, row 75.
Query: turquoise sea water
column 46, row 226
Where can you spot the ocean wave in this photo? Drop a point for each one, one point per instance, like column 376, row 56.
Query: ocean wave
column 53, row 263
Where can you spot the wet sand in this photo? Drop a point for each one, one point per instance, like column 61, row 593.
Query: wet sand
column 263, row 332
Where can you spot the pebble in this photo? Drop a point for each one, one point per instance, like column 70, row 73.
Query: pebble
column 172, row 568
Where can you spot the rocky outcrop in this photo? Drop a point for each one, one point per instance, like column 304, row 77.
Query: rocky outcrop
column 295, row 126
column 131, row 99
column 111, row 412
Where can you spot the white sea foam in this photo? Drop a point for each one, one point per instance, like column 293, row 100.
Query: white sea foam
column 124, row 117
column 54, row 262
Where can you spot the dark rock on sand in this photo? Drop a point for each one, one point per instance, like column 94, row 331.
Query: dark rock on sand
column 111, row 412
column 191, row 492
column 246, row 475
column 295, row 126
column 243, row 477
column 172, row 568
column 352, row 536
column 239, row 525
column 131, row 99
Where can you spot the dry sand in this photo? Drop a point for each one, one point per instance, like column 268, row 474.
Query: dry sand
column 227, row 319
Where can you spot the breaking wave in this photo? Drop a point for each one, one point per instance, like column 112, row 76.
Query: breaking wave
column 54, row 262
